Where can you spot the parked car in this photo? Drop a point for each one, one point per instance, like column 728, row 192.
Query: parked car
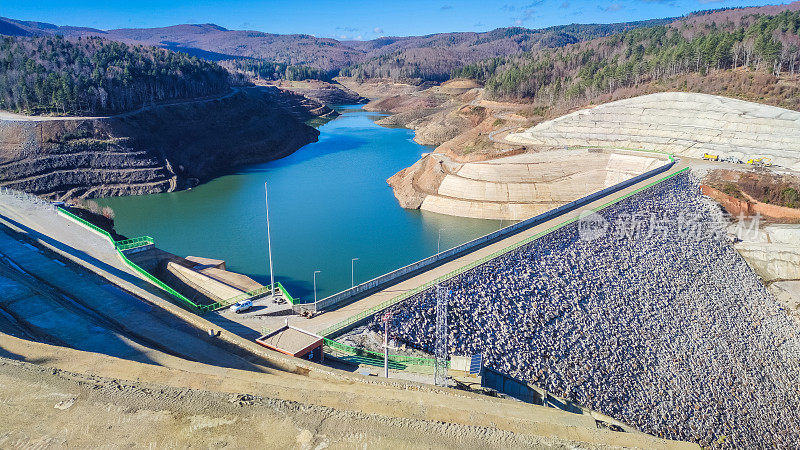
column 242, row 306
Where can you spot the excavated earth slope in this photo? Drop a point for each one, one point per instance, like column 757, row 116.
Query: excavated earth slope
column 57, row 397
column 155, row 149
column 515, row 187
column 681, row 123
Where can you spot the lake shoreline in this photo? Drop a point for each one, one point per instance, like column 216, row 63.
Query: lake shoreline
column 329, row 203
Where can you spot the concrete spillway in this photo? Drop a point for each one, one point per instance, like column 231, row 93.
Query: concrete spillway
column 681, row 123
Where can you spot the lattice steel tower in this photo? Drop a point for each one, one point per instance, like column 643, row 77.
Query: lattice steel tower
column 440, row 353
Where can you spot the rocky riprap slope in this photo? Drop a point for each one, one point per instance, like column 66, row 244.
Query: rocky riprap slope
column 649, row 316
column 678, row 122
column 156, row 149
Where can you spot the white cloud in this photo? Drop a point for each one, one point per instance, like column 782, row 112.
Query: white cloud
column 613, row 7
column 377, row 30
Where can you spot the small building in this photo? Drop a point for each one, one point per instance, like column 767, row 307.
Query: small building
column 294, row 342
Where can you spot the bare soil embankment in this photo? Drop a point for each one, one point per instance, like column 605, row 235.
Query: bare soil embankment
column 770, row 246
column 87, row 399
column 475, row 172
column 327, row 93
column 156, row 149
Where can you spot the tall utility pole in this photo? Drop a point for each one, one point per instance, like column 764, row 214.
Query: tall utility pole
column 440, row 351
column 315, row 286
column 352, row 272
column 269, row 244
column 386, row 344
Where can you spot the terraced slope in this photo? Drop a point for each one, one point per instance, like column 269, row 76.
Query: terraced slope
column 683, row 123
column 155, row 149
column 51, row 159
column 514, row 187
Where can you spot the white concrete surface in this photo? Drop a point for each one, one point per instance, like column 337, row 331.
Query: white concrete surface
column 682, row 123
column 773, row 252
column 522, row 186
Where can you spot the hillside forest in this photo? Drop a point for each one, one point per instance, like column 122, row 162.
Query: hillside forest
column 93, row 76
column 752, row 53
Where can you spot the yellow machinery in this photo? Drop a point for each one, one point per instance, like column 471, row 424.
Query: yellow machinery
column 708, row 157
column 766, row 162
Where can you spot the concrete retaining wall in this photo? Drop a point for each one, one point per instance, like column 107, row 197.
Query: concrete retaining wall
column 388, row 279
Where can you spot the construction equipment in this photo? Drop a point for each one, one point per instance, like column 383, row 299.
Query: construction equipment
column 709, row 157
column 762, row 162
column 731, row 159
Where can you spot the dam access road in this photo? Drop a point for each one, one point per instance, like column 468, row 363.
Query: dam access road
column 91, row 350
column 331, row 321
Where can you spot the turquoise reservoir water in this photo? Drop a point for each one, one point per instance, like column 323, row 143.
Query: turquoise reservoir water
column 329, row 202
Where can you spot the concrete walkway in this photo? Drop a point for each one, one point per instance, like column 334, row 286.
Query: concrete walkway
column 329, row 318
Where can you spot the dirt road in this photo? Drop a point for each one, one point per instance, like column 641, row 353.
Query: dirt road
column 14, row 117
column 82, row 399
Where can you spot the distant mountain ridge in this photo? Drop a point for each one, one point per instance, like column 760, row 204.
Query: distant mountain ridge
column 433, row 57
column 436, row 53
column 749, row 53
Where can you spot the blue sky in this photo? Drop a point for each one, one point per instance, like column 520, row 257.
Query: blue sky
column 355, row 19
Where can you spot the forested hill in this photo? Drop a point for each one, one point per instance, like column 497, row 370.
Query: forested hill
column 434, row 57
column 409, row 58
column 93, row 76
column 737, row 52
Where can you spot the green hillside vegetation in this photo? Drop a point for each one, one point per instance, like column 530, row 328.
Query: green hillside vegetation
column 92, row 76
column 435, row 57
column 765, row 46
column 269, row 70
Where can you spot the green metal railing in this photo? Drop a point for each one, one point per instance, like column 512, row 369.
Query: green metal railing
column 397, row 360
column 405, row 295
column 131, row 264
column 134, row 243
column 128, row 244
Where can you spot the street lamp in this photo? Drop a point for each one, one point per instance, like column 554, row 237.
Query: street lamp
column 352, row 272
column 269, row 244
column 315, row 285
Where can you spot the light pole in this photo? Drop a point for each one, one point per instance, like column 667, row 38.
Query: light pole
column 386, row 317
column 352, row 272
column 439, row 242
column 315, row 286
column 269, row 244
